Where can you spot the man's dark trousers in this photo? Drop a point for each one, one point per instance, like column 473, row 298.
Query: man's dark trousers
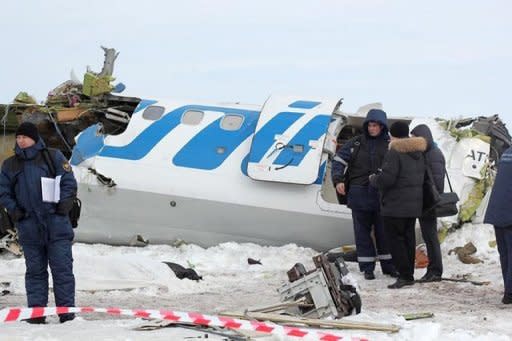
column 58, row 256
column 504, row 242
column 429, row 232
column 366, row 255
column 402, row 241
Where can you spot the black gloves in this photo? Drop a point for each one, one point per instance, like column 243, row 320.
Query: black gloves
column 64, row 206
column 17, row 215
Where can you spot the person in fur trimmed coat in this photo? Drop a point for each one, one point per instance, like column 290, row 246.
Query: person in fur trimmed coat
column 400, row 183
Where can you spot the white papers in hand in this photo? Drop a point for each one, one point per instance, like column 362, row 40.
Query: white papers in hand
column 51, row 189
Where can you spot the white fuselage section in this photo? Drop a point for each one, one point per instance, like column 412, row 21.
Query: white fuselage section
column 180, row 178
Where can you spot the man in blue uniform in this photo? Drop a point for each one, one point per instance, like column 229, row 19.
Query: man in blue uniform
column 353, row 163
column 499, row 214
column 44, row 229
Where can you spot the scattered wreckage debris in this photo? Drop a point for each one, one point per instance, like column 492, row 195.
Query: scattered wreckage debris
column 301, row 303
column 182, row 272
column 138, row 240
column 347, row 252
column 5, row 286
column 490, row 129
column 327, row 288
column 465, row 280
column 73, row 106
column 252, row 261
column 229, row 334
column 417, row 316
column 477, row 194
column 489, row 138
column 313, row 297
column 8, row 234
column 9, row 242
column 320, row 323
column 102, row 179
column 464, row 253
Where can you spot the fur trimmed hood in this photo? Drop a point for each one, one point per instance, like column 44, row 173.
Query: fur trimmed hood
column 409, row 145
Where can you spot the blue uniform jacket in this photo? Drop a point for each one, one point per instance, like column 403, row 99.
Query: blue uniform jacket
column 499, row 212
column 361, row 195
column 20, row 188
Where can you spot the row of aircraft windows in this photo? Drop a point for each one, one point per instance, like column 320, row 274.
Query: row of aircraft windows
column 194, row 117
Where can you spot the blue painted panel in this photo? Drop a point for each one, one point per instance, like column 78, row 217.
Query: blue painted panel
column 264, row 138
column 304, row 104
column 152, row 135
column 144, row 104
column 315, row 128
column 245, row 163
column 88, row 145
column 321, row 172
column 202, row 151
column 141, row 145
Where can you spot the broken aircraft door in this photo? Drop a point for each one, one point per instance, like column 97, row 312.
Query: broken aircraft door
column 289, row 138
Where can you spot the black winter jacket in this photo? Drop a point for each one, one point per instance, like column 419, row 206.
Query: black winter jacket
column 362, row 161
column 434, row 155
column 400, row 182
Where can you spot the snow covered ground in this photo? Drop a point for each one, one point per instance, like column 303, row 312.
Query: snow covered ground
column 131, row 277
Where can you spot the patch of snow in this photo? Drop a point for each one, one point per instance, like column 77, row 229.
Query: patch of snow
column 131, row 277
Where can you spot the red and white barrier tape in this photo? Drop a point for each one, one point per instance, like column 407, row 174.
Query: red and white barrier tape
column 18, row 314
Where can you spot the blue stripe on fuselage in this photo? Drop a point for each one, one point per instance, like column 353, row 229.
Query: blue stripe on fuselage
column 152, row 135
column 304, row 104
column 265, row 137
column 321, row 172
column 213, row 145
column 315, row 128
column 89, row 143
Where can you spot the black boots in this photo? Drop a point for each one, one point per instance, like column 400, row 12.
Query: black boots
column 400, row 283
column 392, row 273
column 369, row 275
column 37, row 320
column 507, row 299
column 430, row 277
column 42, row 320
column 66, row 317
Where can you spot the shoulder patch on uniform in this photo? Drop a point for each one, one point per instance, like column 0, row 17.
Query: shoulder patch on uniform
column 66, row 166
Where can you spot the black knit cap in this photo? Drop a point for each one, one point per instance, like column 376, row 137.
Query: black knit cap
column 399, row 129
column 28, row 129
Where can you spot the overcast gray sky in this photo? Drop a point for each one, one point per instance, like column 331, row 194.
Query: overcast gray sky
column 446, row 58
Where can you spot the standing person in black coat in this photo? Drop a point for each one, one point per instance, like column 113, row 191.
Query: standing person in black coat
column 499, row 214
column 400, row 183
column 428, row 222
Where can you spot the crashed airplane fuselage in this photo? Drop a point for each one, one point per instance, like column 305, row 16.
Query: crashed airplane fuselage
column 207, row 173
column 167, row 171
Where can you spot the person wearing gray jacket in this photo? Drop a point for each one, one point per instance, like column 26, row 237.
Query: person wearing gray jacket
column 435, row 160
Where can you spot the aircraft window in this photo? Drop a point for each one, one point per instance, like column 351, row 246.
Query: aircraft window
column 192, row 117
column 153, row 113
column 231, row 122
